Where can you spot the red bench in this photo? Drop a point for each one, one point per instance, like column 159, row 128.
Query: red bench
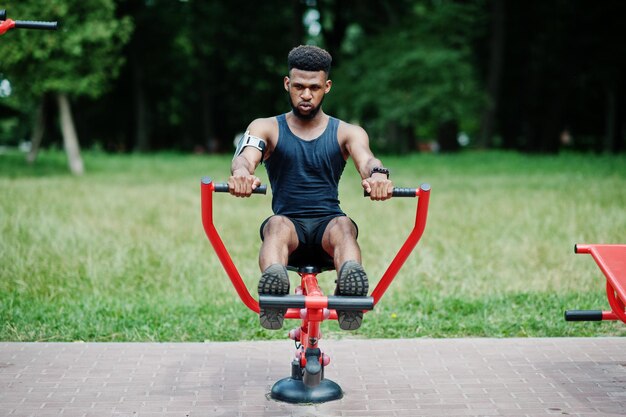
column 611, row 259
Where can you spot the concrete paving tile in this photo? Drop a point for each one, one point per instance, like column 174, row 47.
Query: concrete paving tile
column 420, row 377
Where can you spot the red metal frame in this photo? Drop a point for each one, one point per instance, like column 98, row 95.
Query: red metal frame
column 313, row 299
column 5, row 25
column 423, row 195
column 312, row 316
column 611, row 259
column 207, row 189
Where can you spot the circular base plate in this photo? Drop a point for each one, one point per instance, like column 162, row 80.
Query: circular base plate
column 294, row 391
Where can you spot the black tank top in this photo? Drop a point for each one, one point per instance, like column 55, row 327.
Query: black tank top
column 304, row 174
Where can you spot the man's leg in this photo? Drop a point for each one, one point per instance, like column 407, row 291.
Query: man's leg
column 279, row 240
column 339, row 241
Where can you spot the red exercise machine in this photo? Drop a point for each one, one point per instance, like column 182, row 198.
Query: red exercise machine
column 307, row 383
column 611, row 260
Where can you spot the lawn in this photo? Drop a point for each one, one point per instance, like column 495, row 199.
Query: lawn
column 120, row 254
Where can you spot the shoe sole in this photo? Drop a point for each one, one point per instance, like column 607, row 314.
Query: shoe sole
column 352, row 281
column 274, row 281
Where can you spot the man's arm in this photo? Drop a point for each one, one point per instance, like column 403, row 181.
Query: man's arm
column 377, row 184
column 242, row 179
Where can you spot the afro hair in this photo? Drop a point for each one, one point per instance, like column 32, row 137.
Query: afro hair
column 309, row 58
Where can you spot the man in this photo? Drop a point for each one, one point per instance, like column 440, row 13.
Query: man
column 305, row 152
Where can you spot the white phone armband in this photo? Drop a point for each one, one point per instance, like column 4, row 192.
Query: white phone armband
column 248, row 140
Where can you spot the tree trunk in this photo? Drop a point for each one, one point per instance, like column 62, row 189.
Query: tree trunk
column 38, row 131
column 495, row 72
column 334, row 38
column 209, row 138
column 70, row 139
column 394, row 138
column 297, row 31
column 447, row 136
column 620, row 126
column 609, row 134
column 142, row 125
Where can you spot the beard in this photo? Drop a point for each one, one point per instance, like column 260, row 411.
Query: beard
column 303, row 116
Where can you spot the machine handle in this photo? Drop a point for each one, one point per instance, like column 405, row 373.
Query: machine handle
column 223, row 187
column 583, row 315
column 332, row 301
column 404, row 192
column 31, row 24
column 25, row 24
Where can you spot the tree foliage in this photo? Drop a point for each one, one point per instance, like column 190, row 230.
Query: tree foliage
column 81, row 58
column 196, row 73
column 415, row 75
column 190, row 74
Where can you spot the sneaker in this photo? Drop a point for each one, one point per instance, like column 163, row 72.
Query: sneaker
column 274, row 281
column 352, row 281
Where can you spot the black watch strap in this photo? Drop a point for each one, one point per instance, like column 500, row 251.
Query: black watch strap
column 379, row 170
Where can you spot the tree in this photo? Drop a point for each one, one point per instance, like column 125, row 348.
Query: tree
column 494, row 73
column 566, row 74
column 198, row 72
column 80, row 59
column 415, row 78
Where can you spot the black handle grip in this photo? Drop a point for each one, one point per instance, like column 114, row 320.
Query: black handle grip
column 334, row 302
column 3, row 14
column 339, row 302
column 29, row 24
column 404, row 192
column 583, row 315
column 223, row 188
column 398, row 192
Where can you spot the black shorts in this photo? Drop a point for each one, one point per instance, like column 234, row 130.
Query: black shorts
column 310, row 232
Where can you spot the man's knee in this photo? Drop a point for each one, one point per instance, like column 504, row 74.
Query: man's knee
column 341, row 227
column 279, row 226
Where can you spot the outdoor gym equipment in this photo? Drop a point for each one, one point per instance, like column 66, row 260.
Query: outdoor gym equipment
column 611, row 260
column 307, row 383
column 7, row 24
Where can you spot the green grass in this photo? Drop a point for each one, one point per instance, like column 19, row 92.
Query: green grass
column 120, row 254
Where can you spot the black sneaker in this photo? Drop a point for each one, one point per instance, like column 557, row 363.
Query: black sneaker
column 274, row 281
column 352, row 281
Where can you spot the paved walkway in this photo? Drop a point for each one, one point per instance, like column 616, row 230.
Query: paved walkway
column 421, row 377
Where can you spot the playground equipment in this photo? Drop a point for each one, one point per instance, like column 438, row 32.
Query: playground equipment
column 611, row 260
column 7, row 24
column 307, row 383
